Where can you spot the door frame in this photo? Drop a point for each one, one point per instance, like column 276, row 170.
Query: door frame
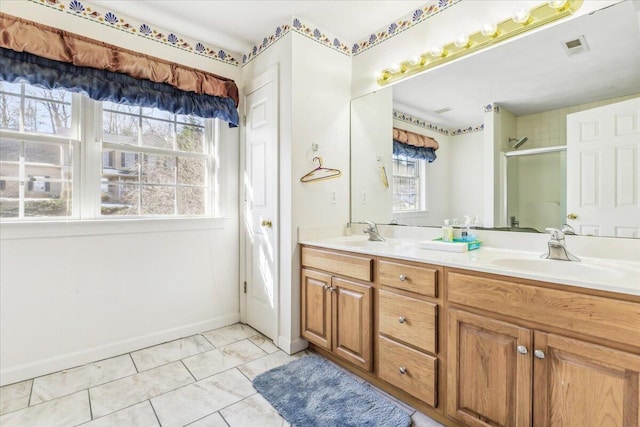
column 270, row 75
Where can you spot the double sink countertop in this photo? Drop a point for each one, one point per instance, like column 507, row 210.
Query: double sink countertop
column 609, row 275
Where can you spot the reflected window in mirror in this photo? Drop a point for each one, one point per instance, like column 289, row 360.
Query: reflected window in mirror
column 408, row 184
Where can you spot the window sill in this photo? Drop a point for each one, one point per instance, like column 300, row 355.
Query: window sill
column 72, row 228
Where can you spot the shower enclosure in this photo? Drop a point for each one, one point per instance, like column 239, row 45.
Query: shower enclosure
column 536, row 188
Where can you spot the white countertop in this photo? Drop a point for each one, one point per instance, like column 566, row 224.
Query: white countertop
column 594, row 273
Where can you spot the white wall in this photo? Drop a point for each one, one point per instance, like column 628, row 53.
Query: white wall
column 466, row 168
column 371, row 136
column 75, row 292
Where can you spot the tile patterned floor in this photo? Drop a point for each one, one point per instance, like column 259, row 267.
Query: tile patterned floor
column 201, row 381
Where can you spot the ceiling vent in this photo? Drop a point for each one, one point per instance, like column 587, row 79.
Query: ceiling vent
column 443, row 110
column 573, row 47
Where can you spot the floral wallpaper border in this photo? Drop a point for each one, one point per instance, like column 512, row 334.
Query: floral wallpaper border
column 128, row 25
column 408, row 118
column 400, row 25
column 310, row 31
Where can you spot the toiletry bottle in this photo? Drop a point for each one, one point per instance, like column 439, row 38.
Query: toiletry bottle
column 455, row 230
column 466, row 232
column 447, row 232
column 476, row 221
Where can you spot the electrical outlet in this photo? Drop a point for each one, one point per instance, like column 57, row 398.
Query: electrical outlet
column 333, row 197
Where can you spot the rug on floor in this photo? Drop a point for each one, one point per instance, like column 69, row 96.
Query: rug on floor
column 312, row 391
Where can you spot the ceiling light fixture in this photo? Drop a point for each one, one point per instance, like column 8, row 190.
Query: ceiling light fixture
column 523, row 20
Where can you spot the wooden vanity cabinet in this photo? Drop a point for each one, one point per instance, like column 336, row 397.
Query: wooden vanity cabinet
column 337, row 305
column 408, row 327
column 521, row 372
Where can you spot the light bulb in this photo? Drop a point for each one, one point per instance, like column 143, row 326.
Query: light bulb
column 462, row 40
column 415, row 59
column 521, row 15
column 557, row 4
column 436, row 50
column 394, row 67
column 489, row 29
column 377, row 75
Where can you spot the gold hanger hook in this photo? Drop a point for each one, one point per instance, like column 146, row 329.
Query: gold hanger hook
column 319, row 161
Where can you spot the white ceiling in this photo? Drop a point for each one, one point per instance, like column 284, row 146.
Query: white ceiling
column 239, row 24
column 533, row 74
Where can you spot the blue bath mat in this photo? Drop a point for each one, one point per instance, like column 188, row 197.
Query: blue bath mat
column 311, row 391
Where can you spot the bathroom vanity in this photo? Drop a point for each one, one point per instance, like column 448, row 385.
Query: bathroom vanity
column 492, row 337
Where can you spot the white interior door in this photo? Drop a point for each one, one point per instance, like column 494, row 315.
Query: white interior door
column 603, row 183
column 261, row 203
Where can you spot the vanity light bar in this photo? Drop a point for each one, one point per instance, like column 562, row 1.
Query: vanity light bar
column 523, row 22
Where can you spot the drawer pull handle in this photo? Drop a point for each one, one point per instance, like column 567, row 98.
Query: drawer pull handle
column 539, row 354
column 402, row 319
column 403, row 370
column 403, row 277
column 522, row 349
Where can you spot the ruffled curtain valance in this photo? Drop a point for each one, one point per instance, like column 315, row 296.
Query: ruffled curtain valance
column 53, row 58
column 414, row 145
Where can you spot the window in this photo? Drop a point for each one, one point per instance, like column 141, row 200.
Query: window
column 408, row 186
column 37, row 145
column 146, row 162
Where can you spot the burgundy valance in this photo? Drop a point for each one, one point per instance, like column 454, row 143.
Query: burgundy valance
column 21, row 35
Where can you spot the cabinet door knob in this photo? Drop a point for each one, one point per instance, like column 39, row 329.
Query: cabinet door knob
column 332, row 289
column 402, row 319
column 326, row 287
column 522, row 349
column 403, row 370
column 403, row 277
column 539, row 354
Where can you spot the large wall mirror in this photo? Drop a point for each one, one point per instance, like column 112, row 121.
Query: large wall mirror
column 537, row 132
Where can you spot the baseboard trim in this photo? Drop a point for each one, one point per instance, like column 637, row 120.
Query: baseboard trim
column 292, row 346
column 78, row 358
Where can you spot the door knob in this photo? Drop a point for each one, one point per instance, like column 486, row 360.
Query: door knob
column 522, row 349
column 572, row 216
column 539, row 354
column 266, row 223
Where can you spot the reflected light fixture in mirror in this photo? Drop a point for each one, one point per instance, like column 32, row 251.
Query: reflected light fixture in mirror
column 491, row 33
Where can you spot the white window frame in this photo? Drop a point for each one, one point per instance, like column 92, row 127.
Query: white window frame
column 86, row 144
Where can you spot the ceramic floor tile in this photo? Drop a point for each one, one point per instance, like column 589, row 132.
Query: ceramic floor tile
column 218, row 360
column 15, row 396
column 140, row 415
column 258, row 366
column 264, row 343
column 190, row 403
column 162, row 354
column 80, row 378
column 421, row 420
column 127, row 391
column 230, row 334
column 253, row 411
column 213, row 420
column 65, row 411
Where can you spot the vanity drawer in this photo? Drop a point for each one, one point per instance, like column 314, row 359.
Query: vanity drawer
column 420, row 370
column 354, row 266
column 410, row 320
column 413, row 278
column 595, row 316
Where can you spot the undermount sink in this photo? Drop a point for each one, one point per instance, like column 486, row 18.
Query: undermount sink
column 569, row 268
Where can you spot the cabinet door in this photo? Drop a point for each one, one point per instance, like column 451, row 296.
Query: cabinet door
column 352, row 321
column 489, row 371
column 583, row 384
column 316, row 307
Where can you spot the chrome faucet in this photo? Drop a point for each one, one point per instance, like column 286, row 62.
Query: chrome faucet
column 567, row 229
column 374, row 236
column 557, row 248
